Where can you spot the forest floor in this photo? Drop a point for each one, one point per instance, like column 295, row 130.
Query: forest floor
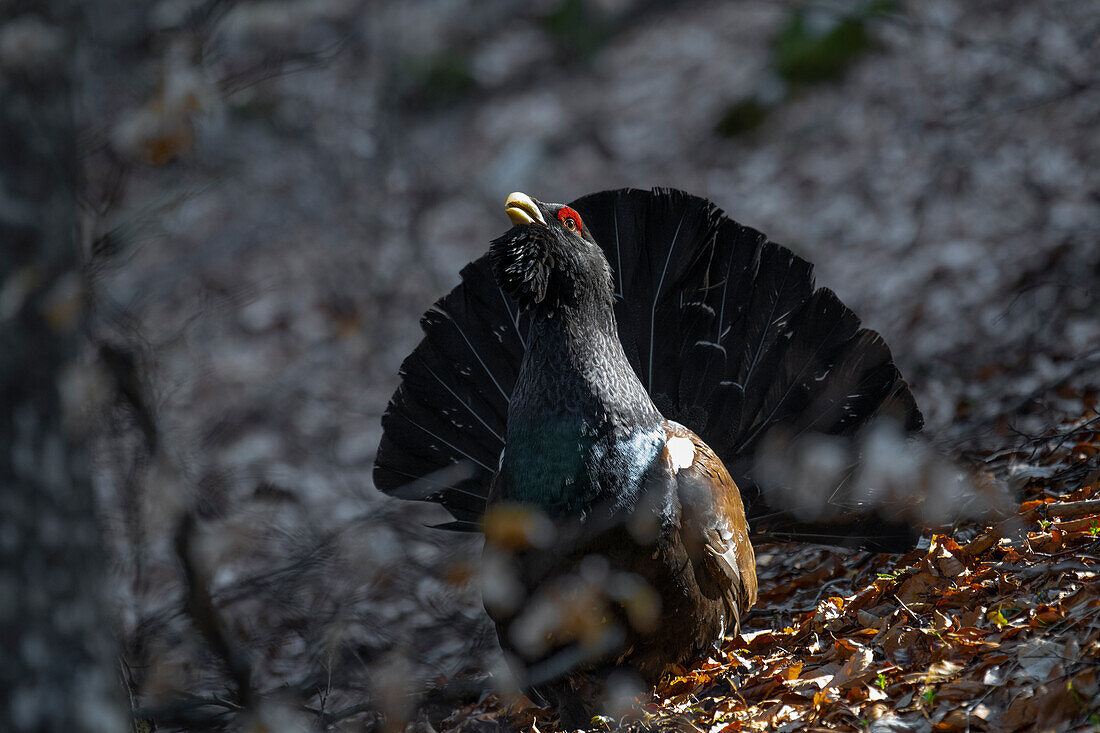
column 278, row 189
column 992, row 627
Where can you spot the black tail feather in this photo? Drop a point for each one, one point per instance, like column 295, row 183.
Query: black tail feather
column 452, row 405
column 724, row 328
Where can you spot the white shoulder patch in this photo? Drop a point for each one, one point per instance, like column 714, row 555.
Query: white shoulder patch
column 682, row 453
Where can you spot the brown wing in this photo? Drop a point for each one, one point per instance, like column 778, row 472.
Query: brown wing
column 713, row 526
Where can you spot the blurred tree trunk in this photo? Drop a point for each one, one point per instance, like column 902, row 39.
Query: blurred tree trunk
column 56, row 649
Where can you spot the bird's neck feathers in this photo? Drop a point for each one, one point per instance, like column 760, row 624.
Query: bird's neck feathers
column 575, row 368
column 581, row 427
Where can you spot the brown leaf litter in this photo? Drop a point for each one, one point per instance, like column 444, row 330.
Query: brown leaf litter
column 985, row 628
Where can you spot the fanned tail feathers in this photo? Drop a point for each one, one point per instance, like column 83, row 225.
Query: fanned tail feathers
column 724, row 328
column 452, row 405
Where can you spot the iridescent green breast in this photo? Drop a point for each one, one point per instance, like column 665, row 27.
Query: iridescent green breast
column 565, row 467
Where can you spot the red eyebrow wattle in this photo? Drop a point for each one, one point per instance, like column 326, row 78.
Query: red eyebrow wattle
column 566, row 213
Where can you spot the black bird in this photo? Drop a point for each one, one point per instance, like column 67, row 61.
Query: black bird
column 572, row 373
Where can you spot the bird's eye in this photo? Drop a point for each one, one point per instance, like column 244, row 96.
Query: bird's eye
column 570, row 219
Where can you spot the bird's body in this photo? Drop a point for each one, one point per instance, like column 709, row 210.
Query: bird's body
column 633, row 545
column 638, row 584
column 629, row 494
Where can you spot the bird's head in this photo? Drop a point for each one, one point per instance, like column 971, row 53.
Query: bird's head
column 549, row 257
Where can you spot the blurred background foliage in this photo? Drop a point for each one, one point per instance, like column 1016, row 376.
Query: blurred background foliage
column 273, row 191
column 814, row 45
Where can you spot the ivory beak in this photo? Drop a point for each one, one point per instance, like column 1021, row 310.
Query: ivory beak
column 522, row 209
